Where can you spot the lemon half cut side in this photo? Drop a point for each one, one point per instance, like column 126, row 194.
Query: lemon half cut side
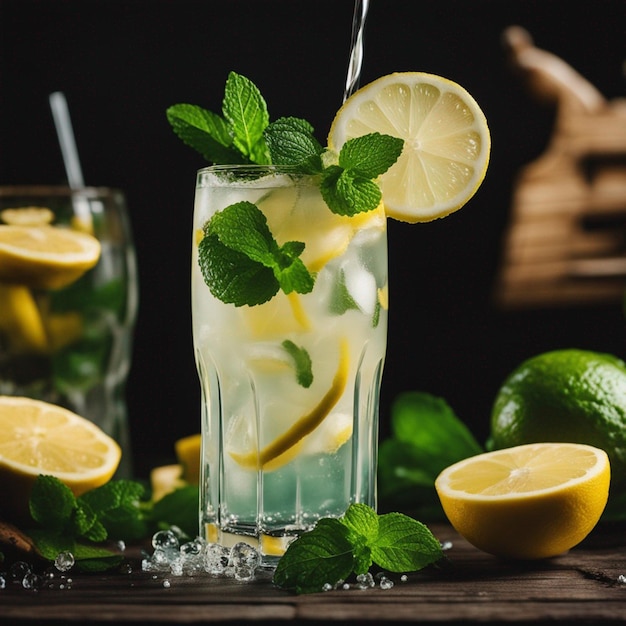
column 527, row 502
column 447, row 142
column 37, row 437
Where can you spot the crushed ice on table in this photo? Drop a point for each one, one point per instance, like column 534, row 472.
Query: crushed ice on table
column 199, row 556
column 175, row 556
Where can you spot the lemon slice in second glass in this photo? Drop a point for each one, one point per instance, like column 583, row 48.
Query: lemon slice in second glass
column 45, row 257
column 446, row 141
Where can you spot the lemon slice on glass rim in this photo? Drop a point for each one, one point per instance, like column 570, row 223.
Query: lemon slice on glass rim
column 446, row 141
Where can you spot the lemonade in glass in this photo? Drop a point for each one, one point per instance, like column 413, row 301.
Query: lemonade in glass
column 290, row 386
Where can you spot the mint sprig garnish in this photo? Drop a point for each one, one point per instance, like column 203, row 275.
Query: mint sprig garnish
column 348, row 188
column 337, row 548
column 244, row 134
column 242, row 263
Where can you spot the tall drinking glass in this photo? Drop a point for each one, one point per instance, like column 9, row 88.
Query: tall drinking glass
column 72, row 346
column 290, row 387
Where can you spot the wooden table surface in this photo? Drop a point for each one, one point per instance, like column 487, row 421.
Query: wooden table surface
column 580, row 587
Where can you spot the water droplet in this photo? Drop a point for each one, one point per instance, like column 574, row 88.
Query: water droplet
column 164, row 540
column 386, row 583
column 19, row 569
column 64, row 561
column 167, row 584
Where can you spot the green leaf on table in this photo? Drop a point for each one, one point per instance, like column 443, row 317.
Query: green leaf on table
column 118, row 507
column 178, row 508
column 426, row 437
column 52, row 503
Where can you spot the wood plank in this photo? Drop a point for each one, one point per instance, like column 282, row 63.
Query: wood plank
column 582, row 586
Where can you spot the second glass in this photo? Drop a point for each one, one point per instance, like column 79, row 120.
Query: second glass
column 290, row 387
column 72, row 346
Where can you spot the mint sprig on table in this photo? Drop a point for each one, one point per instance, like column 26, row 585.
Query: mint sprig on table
column 237, row 271
column 337, row 548
column 86, row 525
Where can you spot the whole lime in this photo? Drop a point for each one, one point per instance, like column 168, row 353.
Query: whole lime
column 571, row 395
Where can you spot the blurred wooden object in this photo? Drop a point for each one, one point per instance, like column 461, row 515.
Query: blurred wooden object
column 565, row 243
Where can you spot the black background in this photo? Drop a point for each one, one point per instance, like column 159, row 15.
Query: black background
column 121, row 63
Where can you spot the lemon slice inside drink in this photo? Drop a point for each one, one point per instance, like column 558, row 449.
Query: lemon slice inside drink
column 527, row 502
column 45, row 257
column 446, row 141
column 287, row 445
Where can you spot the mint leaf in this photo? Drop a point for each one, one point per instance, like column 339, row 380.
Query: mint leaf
column 178, row 508
column 246, row 111
column 429, row 424
column 205, row 132
column 52, row 503
column 117, row 504
column 241, row 262
column 232, row 277
column 291, row 142
column 243, row 227
column 426, row 436
column 370, row 155
column 361, row 519
column 404, row 544
column 85, row 524
column 348, row 188
column 346, row 192
column 341, row 300
column 50, row 543
column 89, row 557
column 321, row 556
column 302, row 362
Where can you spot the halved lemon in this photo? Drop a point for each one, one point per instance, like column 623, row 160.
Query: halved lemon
column 446, row 141
column 45, row 257
column 527, row 502
column 36, row 438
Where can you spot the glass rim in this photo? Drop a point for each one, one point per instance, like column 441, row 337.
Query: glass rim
column 252, row 167
column 37, row 190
